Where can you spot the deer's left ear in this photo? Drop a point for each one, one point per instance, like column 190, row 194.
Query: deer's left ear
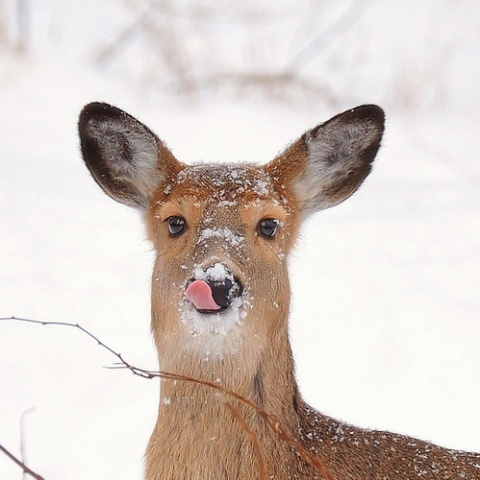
column 123, row 155
column 328, row 163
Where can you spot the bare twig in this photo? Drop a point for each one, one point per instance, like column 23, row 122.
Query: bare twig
column 262, row 471
column 271, row 420
column 25, row 469
column 122, row 364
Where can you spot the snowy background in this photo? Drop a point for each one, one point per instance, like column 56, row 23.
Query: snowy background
column 386, row 287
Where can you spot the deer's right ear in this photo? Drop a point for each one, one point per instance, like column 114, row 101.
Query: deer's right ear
column 328, row 163
column 124, row 156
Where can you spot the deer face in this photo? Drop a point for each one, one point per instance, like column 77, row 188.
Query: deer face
column 222, row 233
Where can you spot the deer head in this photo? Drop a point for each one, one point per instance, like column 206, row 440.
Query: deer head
column 222, row 232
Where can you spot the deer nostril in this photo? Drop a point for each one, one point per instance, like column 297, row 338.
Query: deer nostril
column 221, row 292
column 225, row 291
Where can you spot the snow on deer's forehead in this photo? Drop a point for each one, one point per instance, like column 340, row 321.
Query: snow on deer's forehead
column 225, row 182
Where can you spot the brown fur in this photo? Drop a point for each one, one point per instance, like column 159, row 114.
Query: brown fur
column 196, row 436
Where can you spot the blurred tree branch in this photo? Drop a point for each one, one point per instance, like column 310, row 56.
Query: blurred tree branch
column 15, row 25
column 308, row 53
column 23, row 450
column 188, row 47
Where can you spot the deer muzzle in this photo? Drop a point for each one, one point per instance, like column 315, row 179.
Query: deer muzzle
column 213, row 290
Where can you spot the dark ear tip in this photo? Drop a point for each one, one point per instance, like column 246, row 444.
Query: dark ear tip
column 369, row 112
column 98, row 110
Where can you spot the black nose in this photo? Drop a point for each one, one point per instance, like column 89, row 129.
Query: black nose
column 225, row 291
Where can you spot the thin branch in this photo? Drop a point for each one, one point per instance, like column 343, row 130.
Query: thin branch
column 262, row 471
column 122, row 364
column 271, row 420
column 20, row 464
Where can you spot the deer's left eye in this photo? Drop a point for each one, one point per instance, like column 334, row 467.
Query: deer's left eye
column 268, row 227
column 176, row 225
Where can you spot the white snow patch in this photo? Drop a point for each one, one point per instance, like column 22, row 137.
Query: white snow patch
column 226, row 203
column 230, row 237
column 217, row 272
column 217, row 323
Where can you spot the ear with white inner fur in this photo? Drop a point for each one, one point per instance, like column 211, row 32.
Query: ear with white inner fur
column 124, row 156
column 328, row 163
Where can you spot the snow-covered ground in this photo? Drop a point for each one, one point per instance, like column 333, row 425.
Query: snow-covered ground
column 386, row 313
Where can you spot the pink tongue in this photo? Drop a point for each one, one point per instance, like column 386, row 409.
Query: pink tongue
column 200, row 294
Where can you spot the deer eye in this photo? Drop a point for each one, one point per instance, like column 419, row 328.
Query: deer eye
column 176, row 225
column 267, row 227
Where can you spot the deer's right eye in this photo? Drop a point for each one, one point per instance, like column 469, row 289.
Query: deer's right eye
column 176, row 225
column 267, row 227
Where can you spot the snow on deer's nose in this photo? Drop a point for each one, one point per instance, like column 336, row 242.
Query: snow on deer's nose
column 213, row 290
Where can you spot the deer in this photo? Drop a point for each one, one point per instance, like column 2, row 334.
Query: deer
column 220, row 300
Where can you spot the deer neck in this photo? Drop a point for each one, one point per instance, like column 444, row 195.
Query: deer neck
column 262, row 374
column 196, row 414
